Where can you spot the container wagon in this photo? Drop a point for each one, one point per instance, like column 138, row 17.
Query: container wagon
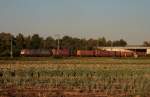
column 126, row 54
column 104, row 53
column 141, row 54
column 86, row 53
column 61, row 52
column 36, row 52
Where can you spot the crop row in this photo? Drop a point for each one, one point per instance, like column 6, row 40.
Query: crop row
column 110, row 80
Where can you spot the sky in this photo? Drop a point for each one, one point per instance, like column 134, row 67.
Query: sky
column 113, row 19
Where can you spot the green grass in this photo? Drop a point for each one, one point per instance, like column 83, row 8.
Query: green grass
column 111, row 76
column 75, row 60
column 130, row 79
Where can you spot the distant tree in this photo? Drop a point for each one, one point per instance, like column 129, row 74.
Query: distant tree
column 102, row 41
column 5, row 44
column 20, row 41
column 42, row 43
column 83, row 44
column 116, row 43
column 146, row 43
column 66, row 42
column 27, row 42
column 36, row 41
column 120, row 42
column 76, row 42
column 49, row 43
column 19, row 44
column 92, row 44
column 123, row 42
column 109, row 43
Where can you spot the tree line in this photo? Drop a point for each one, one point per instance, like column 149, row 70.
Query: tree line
column 35, row 41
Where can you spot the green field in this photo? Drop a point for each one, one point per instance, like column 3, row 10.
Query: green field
column 95, row 77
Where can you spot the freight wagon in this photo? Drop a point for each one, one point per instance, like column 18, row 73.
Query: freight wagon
column 89, row 53
column 61, row 52
column 104, row 53
column 36, row 52
column 141, row 54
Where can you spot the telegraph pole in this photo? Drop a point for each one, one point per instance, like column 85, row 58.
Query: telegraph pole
column 111, row 45
column 84, row 38
column 58, row 42
column 11, row 48
column 97, row 43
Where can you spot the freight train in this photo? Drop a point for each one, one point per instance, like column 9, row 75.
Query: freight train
column 79, row 53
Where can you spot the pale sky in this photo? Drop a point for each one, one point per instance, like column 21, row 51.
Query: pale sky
column 113, row 19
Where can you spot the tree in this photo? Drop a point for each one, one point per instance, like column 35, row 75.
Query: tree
column 123, row 42
column 66, row 42
column 109, row 43
column 120, row 42
column 49, row 43
column 5, row 44
column 91, row 44
column 83, row 44
column 19, row 44
column 20, row 41
column 146, row 43
column 102, row 41
column 36, row 41
column 27, row 42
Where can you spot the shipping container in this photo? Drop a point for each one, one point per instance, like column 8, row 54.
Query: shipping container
column 118, row 53
column 87, row 53
column 111, row 53
column 105, row 53
column 127, row 54
column 101, row 53
column 98, row 53
column 36, row 52
column 61, row 52
column 141, row 54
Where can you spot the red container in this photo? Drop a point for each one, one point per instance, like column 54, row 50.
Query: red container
column 98, row 53
column 141, row 54
column 124, row 54
column 60, row 52
column 85, row 53
column 128, row 54
column 118, row 53
column 111, row 53
column 103, row 53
